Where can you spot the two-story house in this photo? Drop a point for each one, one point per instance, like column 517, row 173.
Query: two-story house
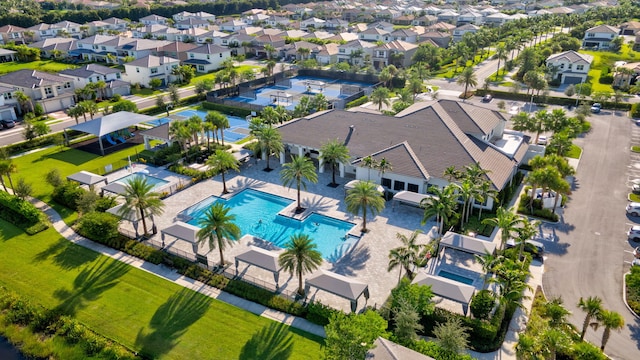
column 7, row 112
column 459, row 32
column 11, row 33
column 93, row 73
column 470, row 17
column 569, row 67
column 101, row 48
column 141, row 71
column 208, row 57
column 374, row 35
column 177, row 50
column 407, row 35
column 313, row 22
column 184, row 15
column 154, row 20
column 497, row 19
column 599, row 37
column 140, row 48
column 397, row 52
column 55, row 48
column 192, row 23
column 233, row 25
column 448, row 16
column 354, row 52
column 53, row 92
column 425, row 20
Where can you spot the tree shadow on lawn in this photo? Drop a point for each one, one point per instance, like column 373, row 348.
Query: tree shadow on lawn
column 271, row 342
column 66, row 255
column 8, row 230
column 88, row 286
column 70, row 156
column 170, row 321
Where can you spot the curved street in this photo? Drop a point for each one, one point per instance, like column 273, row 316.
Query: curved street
column 588, row 257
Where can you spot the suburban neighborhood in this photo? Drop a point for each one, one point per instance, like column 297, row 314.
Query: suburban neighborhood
column 320, row 180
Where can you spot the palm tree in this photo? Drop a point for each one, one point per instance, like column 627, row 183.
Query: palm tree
column 611, row 320
column 489, row 262
column 24, row 101
column 90, row 107
column 501, row 54
column 406, row 255
column 592, row 306
column 219, row 223
column 333, row 153
column 220, row 121
column 303, row 52
column 467, row 78
column 6, row 168
column 194, row 124
column 100, row 86
column 486, row 192
column 75, row 112
column 380, row 96
column 270, row 141
column 221, row 162
column 138, row 196
column 300, row 257
column 442, row 204
column 370, row 163
column 400, row 257
column 270, row 50
column 527, row 231
column 299, row 169
column 364, row 198
column 383, row 166
column 555, row 340
column 505, row 220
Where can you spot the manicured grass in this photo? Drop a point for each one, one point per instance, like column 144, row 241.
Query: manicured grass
column 146, row 92
column 602, row 59
column 635, row 149
column 153, row 316
column 633, row 197
column 574, row 152
column 596, row 86
column 44, row 65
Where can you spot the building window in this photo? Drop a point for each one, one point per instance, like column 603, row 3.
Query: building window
column 561, row 66
column 398, row 185
column 208, row 57
column 67, row 85
column 191, row 55
column 104, row 48
column 137, row 70
column 201, row 68
column 579, row 67
column 342, row 51
column 591, row 35
column 48, row 91
column 117, row 75
column 570, row 65
column 386, row 183
column 412, row 188
column 8, row 95
column 220, row 54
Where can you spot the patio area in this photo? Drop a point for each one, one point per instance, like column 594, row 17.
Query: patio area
column 366, row 262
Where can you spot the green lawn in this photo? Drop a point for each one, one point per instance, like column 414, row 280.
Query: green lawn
column 153, row 316
column 602, row 59
column 212, row 76
column 574, row 152
column 146, row 92
column 45, row 65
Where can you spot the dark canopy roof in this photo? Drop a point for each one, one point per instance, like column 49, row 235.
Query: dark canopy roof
column 338, row 285
column 86, row 178
column 467, row 244
column 448, row 289
column 110, row 123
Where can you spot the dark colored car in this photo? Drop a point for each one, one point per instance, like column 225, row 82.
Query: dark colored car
column 487, row 98
column 7, row 124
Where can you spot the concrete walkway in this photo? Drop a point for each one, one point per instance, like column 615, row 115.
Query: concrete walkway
column 171, row 275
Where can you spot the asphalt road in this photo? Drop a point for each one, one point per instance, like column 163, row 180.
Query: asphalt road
column 588, row 256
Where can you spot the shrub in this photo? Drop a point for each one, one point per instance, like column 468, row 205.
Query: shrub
column 68, row 194
column 482, row 304
column 538, row 211
column 22, row 214
column 357, row 102
column 635, row 110
column 632, row 282
column 38, row 110
column 101, row 227
column 319, row 313
column 105, row 203
column 606, row 79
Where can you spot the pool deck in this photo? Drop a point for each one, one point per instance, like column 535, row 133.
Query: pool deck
column 158, row 172
column 367, row 262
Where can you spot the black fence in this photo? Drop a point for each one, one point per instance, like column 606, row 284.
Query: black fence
column 339, row 75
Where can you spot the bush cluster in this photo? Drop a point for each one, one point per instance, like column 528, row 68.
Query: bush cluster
column 22, row 214
column 357, row 102
column 635, row 110
column 226, row 109
column 163, row 156
column 538, row 211
column 632, row 282
column 52, row 322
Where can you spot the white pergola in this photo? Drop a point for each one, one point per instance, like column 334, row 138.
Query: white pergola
column 264, row 259
column 446, row 288
column 338, row 285
column 87, row 178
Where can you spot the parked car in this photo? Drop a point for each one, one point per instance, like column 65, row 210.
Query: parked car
column 7, row 124
column 533, row 247
column 633, row 209
column 542, row 140
column 596, row 107
column 634, row 233
column 635, row 188
column 487, row 98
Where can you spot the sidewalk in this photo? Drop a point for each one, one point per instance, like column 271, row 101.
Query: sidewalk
column 171, row 275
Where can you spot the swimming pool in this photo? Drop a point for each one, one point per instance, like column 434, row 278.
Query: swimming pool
column 238, row 127
column 257, row 215
column 455, row 277
column 156, row 182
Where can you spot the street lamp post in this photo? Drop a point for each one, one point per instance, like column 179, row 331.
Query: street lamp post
column 580, row 92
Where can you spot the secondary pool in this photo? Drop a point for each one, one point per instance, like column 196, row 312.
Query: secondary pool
column 257, row 215
column 455, row 277
column 156, row 182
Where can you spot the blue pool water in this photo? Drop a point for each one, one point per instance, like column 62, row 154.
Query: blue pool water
column 238, row 127
column 157, row 183
column 257, row 215
column 455, row 277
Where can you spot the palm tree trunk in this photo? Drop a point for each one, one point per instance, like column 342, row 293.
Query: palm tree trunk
column 555, row 202
column 224, row 184
column 10, row 181
column 144, row 222
column 3, row 185
column 605, row 338
column 300, row 288
column 364, row 220
column 587, row 320
column 333, row 173
column 298, row 188
column 220, row 250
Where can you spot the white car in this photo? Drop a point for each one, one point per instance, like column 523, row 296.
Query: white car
column 542, row 140
column 633, row 209
column 634, row 233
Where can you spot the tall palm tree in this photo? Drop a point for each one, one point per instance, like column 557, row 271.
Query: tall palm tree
column 501, row 54
column 221, row 162
column 489, row 262
column 611, row 320
column 380, row 96
column 218, row 227
column 506, row 220
column 194, row 124
column 24, row 101
column 90, row 107
column 6, row 168
column 592, row 306
column 220, row 121
column 383, row 166
column 139, row 196
column 555, row 340
column 468, row 79
column 300, row 256
column 406, row 255
column 300, row 168
column 486, row 192
column 270, row 141
column 442, row 205
column 370, row 163
column 333, row 153
column 180, row 133
column 526, row 231
column 364, row 198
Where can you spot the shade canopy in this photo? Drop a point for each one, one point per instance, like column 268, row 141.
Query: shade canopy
column 351, row 184
column 264, row 259
column 86, row 178
column 132, row 215
column 160, row 132
column 242, row 155
column 182, row 231
column 339, row 285
column 114, row 188
column 446, row 288
column 110, row 123
column 411, row 198
column 467, row 244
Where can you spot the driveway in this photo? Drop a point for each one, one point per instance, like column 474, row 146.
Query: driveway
column 588, row 256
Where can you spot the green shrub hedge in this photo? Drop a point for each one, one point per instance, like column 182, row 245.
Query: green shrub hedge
column 226, row 109
column 632, row 282
column 22, row 214
column 635, row 110
column 538, row 211
column 357, row 102
column 39, row 142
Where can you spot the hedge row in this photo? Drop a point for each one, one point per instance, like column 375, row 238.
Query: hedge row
column 357, row 102
column 48, row 322
column 226, row 109
column 39, row 142
column 154, row 110
column 552, row 100
column 538, row 211
column 22, row 214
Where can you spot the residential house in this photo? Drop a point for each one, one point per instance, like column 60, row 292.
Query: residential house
column 600, row 37
column 403, row 20
column 387, row 14
column 407, row 35
column 208, row 57
column 10, row 33
column 397, row 52
column 292, row 50
column 497, row 19
column 93, row 73
column 42, row 31
column 383, row 25
column 184, row 15
column 470, row 17
column 354, row 52
column 626, row 74
column 322, row 35
column 448, row 16
column 53, row 92
column 67, row 29
column 112, row 25
column 192, row 23
column 259, row 42
column 140, row 48
column 233, row 25
column 142, row 70
column 570, row 67
column 344, row 37
column 100, row 47
column 7, row 112
column 336, row 24
column 7, row 55
column 313, row 22
column 177, row 50
column 425, row 20
column 277, row 21
column 255, row 19
column 55, row 48
column 421, row 142
column 441, row 39
column 328, row 54
column 374, row 35
column 459, row 32
column 154, row 20
column 441, row 27
column 628, row 28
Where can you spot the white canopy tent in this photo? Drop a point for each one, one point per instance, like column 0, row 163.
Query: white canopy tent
column 338, row 285
column 467, row 244
column 264, row 259
column 446, row 288
column 410, row 198
column 87, row 178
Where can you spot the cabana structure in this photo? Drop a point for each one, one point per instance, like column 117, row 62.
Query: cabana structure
column 351, row 184
column 467, row 244
column 448, row 289
column 409, row 198
column 242, row 155
column 105, row 125
column 160, row 133
column 114, row 188
column 264, row 259
column 281, row 97
column 87, row 178
column 132, row 216
column 182, row 231
column 338, row 285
